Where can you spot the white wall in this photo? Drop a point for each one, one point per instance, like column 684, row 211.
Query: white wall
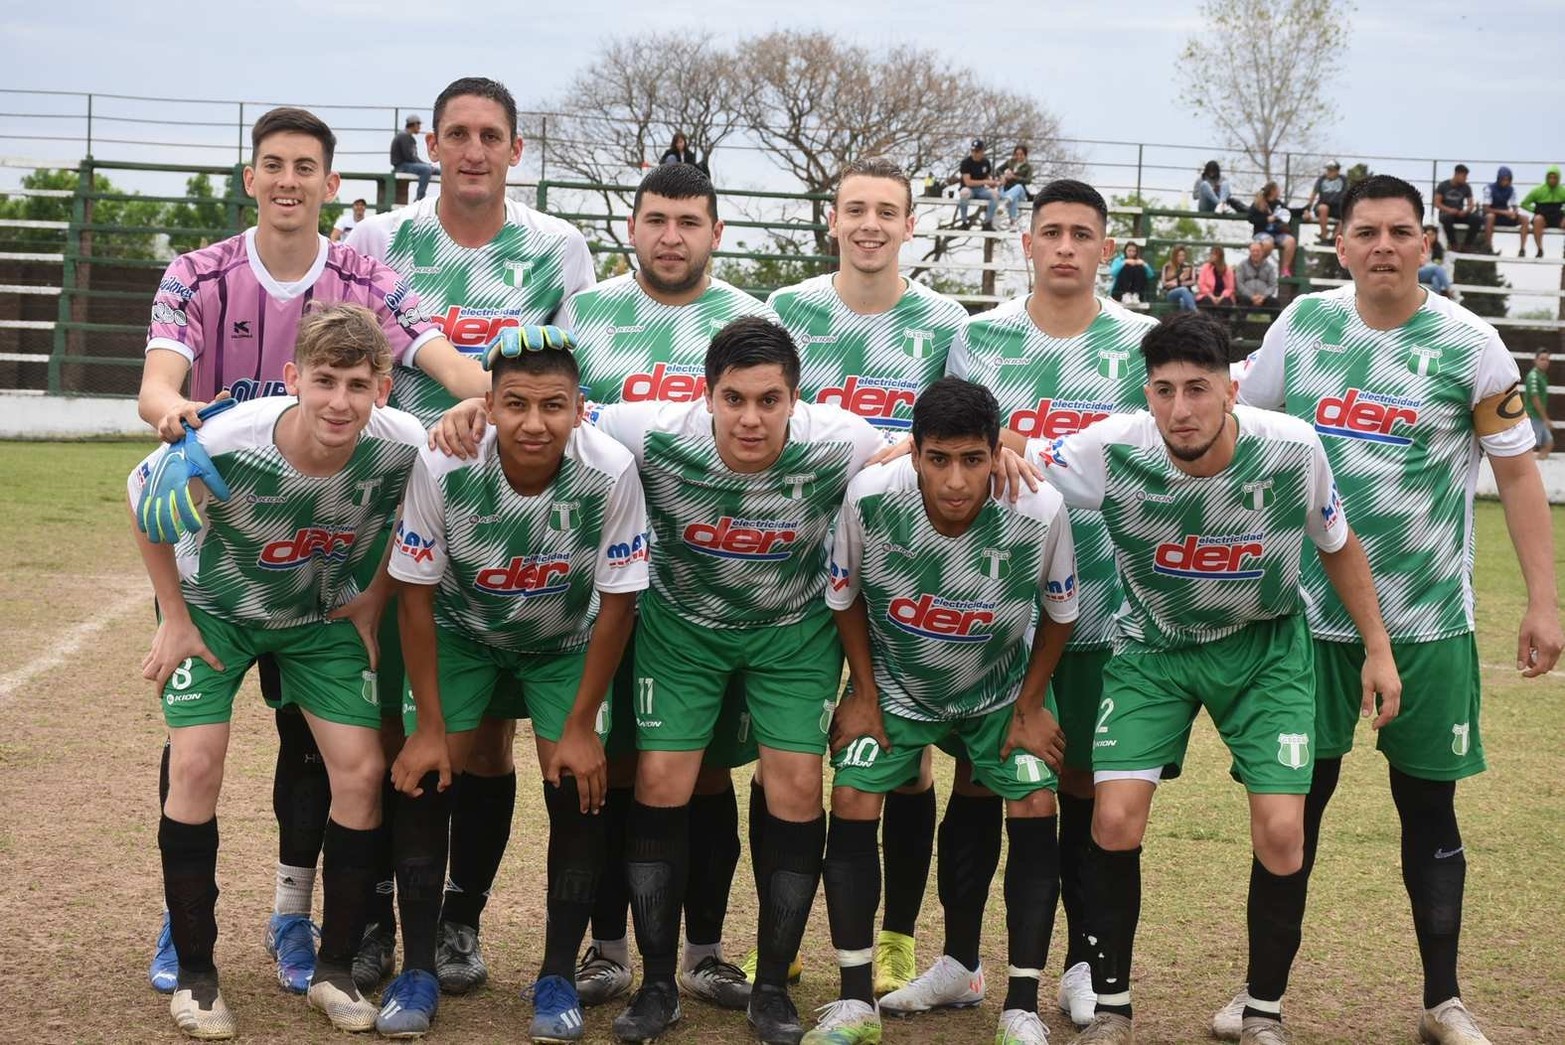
column 25, row 416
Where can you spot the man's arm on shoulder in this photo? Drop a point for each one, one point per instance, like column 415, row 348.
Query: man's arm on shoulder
column 461, row 375
column 161, row 401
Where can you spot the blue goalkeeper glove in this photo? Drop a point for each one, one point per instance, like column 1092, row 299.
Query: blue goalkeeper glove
column 166, row 511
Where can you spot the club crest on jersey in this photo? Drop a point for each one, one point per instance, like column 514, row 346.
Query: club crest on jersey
column 918, row 343
column 840, row 578
column 994, row 563
column 1369, row 416
column 621, row 555
column 1257, row 494
column 1212, row 558
column 755, row 540
column 1061, row 591
column 797, row 486
column 1052, row 418
column 307, row 544
column 414, row 546
column 1461, row 738
column 1029, row 768
column 1113, row 363
column 1423, row 360
column 564, row 516
column 1293, row 749
column 515, row 273
column 527, row 576
column 942, row 619
column 680, row 384
column 874, row 399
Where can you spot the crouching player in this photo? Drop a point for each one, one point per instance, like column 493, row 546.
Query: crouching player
column 312, row 478
column 936, row 587
column 523, row 561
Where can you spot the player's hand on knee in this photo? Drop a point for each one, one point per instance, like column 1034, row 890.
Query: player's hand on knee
column 172, row 644
column 460, row 429
column 1538, row 643
column 901, row 448
column 858, row 715
column 1012, row 471
column 1379, row 678
column 1037, row 733
column 424, row 752
column 579, row 753
column 364, row 611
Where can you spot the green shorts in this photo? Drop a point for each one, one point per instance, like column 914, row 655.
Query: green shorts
column 324, row 669
column 1077, row 686
column 1258, row 685
column 1435, row 736
column 863, row 766
column 479, row 681
column 789, row 673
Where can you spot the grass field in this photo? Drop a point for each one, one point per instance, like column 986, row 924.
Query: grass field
column 80, row 734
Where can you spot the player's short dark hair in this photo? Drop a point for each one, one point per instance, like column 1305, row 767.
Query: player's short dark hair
column 290, row 120
column 481, row 87
column 752, row 341
column 1186, row 337
column 1069, row 190
column 1381, row 187
column 876, row 167
column 546, row 361
column 952, row 408
column 677, row 181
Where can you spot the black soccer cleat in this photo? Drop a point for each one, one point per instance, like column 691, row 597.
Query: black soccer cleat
column 652, row 1010
column 773, row 1017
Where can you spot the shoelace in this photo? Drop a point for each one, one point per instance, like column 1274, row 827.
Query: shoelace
column 714, row 966
column 1458, row 1018
column 834, row 1014
column 412, row 991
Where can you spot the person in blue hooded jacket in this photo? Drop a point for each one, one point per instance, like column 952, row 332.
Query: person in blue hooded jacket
column 1500, row 197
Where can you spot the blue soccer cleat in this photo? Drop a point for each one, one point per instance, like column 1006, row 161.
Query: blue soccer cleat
column 556, row 1011
column 407, row 1007
column 290, row 938
column 163, row 973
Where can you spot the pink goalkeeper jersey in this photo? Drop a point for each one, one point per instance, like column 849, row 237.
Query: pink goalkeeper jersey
column 220, row 309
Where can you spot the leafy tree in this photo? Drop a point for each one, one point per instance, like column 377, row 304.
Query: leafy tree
column 201, row 212
column 106, row 243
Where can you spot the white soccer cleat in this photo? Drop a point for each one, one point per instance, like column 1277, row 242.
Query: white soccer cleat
column 1077, row 999
column 946, row 985
column 1449, row 1023
column 1257, row 1030
column 1228, row 1022
column 1021, row 1027
column 340, row 1000
column 198, row 1010
column 1107, row 1028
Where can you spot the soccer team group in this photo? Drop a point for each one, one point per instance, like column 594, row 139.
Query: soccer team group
column 436, row 479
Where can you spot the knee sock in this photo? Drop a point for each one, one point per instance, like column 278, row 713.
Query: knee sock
column 301, row 801
column 1075, row 835
column 347, row 890
column 383, row 908
column 1275, row 918
column 1113, row 910
column 714, row 856
column 189, row 853
column 1434, row 870
column 575, row 862
column 657, row 858
column 852, row 874
column 907, row 841
column 481, row 812
column 757, row 833
column 163, row 772
column 969, row 855
column 790, row 862
column 419, row 845
column 1322, row 786
column 612, row 905
column 1032, row 888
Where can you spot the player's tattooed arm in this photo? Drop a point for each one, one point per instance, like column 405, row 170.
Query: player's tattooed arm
column 425, row 751
column 858, row 713
column 177, row 637
column 460, row 429
column 579, row 752
column 1033, row 728
column 1347, row 569
column 1526, row 507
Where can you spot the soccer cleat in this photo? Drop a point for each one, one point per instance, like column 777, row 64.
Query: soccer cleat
column 795, row 967
column 652, row 1010
column 290, row 938
column 600, row 979
column 1021, row 1027
column 846, row 1021
column 716, row 982
column 1077, row 999
column 1258, row 1030
column 335, row 994
column 1449, row 1023
column 773, row 1017
column 377, row 956
column 1107, row 1028
column 407, row 1007
column 947, row 984
column 198, row 1009
column 459, row 961
column 895, row 965
column 556, row 1011
column 163, row 973
column 1228, row 1022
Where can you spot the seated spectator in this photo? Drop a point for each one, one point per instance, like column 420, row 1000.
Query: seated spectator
column 1500, row 198
column 1269, row 219
column 1211, row 190
column 1215, row 285
column 1547, row 203
column 1432, row 247
column 678, row 151
column 1432, row 273
column 1325, row 200
column 1454, row 205
column 1178, row 280
column 1255, row 280
column 404, row 155
column 1015, row 175
column 1130, row 275
column 978, row 183
column 347, row 219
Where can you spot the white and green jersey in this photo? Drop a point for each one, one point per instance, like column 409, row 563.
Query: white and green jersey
column 284, row 549
column 950, row 618
column 1394, row 409
column 1048, row 387
column 634, row 349
column 1200, row 558
column 523, row 573
column 871, row 365
column 735, row 549
column 521, row 276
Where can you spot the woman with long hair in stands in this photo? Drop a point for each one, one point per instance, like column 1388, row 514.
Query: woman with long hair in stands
column 1269, row 218
column 1178, row 279
column 1215, row 287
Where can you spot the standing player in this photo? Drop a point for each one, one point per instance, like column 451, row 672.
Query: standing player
column 935, row 586
column 1208, row 507
column 311, row 481
column 523, row 561
column 870, row 341
column 1405, row 389
column 481, row 263
column 226, row 317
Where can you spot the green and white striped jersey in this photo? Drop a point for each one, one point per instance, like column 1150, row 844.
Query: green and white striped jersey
column 733, row 549
column 1051, row 386
column 950, row 618
column 521, row 276
column 1200, row 558
column 284, row 548
column 523, row 573
column 871, row 365
column 1394, row 409
column 634, row 349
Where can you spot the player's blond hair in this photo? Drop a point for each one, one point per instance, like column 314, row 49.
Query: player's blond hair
column 342, row 336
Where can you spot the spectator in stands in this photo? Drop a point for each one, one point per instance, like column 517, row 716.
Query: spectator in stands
column 1325, row 200
column 1547, row 203
column 678, row 151
column 1454, row 204
column 1537, row 401
column 1178, row 279
column 1015, row 175
column 1269, row 218
column 978, row 183
column 347, row 219
column 1500, row 199
column 1432, row 273
column 1432, row 246
column 404, row 155
column 1255, row 279
column 1129, row 276
column 1211, row 190
column 1215, row 285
